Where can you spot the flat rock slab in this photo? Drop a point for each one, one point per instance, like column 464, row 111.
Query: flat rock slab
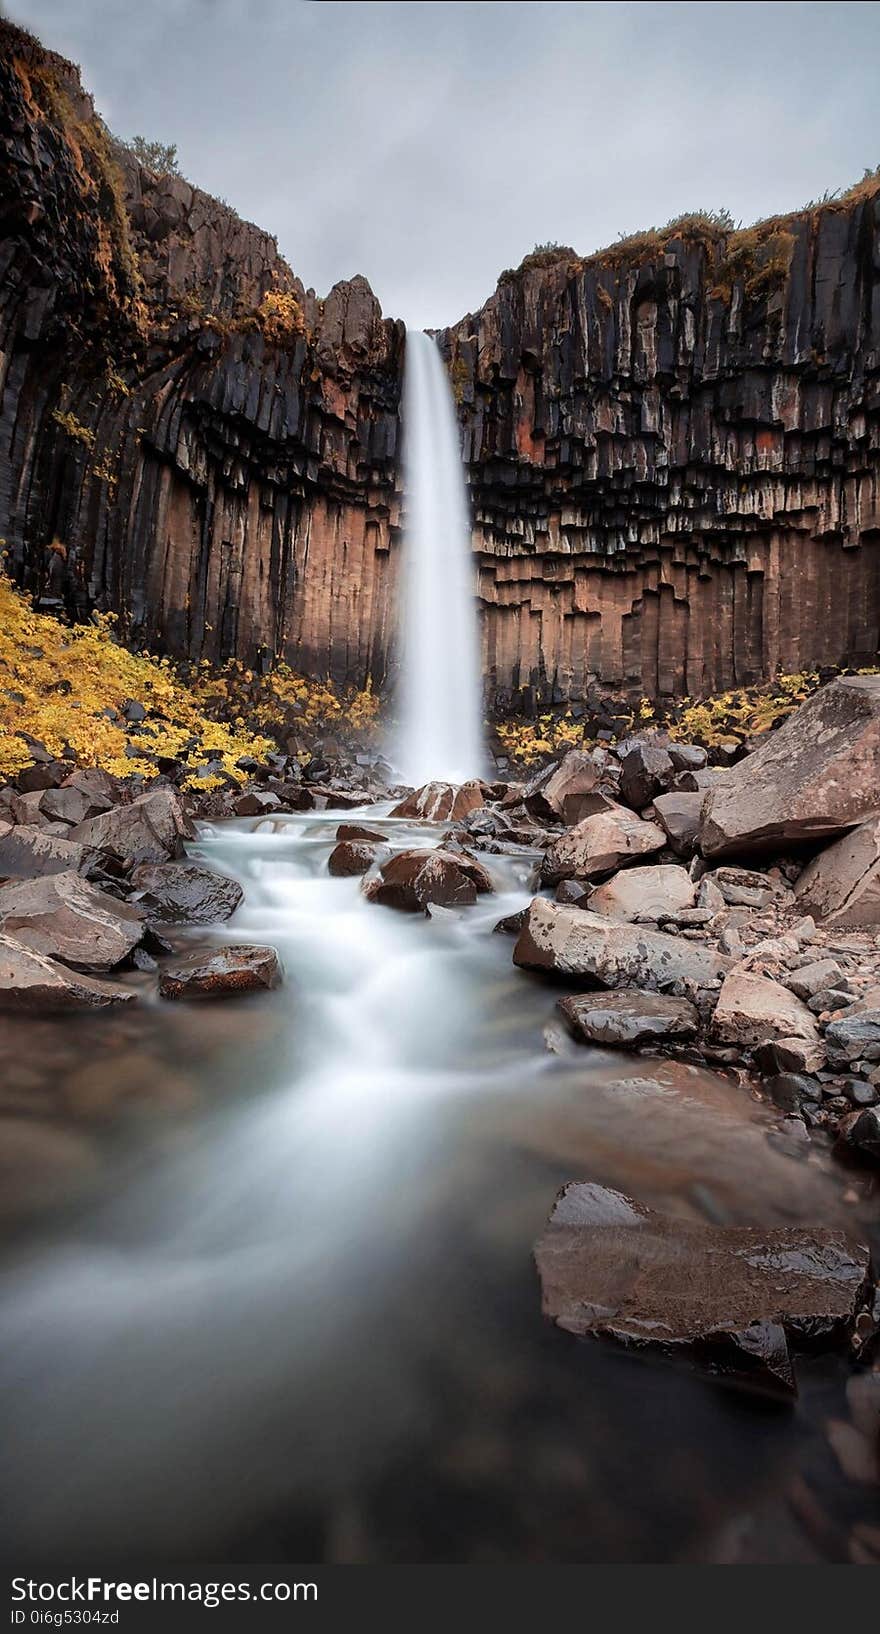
column 30, row 982
column 601, row 844
column 177, row 893
column 221, row 973
column 625, row 1018
column 66, row 918
column 752, row 1009
column 26, row 852
column 576, row 942
column 645, row 893
column 815, row 777
column 731, row 1297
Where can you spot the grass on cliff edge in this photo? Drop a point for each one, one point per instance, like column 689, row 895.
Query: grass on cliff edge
column 67, row 688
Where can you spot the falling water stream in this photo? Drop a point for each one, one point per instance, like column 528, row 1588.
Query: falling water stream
column 440, row 696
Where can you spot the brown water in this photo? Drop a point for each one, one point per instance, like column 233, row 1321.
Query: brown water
column 268, row 1290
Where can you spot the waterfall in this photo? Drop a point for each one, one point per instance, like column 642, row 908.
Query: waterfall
column 440, row 691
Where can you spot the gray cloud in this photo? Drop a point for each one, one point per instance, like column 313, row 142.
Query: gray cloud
column 431, row 145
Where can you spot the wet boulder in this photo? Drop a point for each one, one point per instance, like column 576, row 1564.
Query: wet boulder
column 657, row 892
column 64, row 917
column 357, row 831
column 559, row 791
column 221, row 972
column 441, row 802
column 413, row 879
column 177, row 893
column 626, row 1018
column 70, row 805
column 256, row 803
column 814, row 778
column 150, row 829
column 31, row 982
column 679, row 815
column 842, row 884
column 600, row 844
column 645, row 771
column 28, row 853
column 731, row 1298
column 353, row 857
column 752, row 1009
column 576, row 942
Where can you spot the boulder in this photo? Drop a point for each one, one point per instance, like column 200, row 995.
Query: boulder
column 353, row 857
column 627, row 1018
column 441, row 802
column 601, row 844
column 64, row 917
column 854, row 1037
column 779, row 1055
column 864, row 1133
column 355, row 831
column 687, row 757
column 412, row 879
column 576, row 942
column 812, row 978
column 99, row 787
column 27, row 853
column 69, row 805
column 151, row 829
column 177, row 893
column 729, row 1297
column 645, row 771
column 220, row 973
column 842, row 884
column 256, row 803
column 679, row 814
column 817, row 776
column 31, row 982
column 752, row 1009
column 560, row 789
column 645, row 893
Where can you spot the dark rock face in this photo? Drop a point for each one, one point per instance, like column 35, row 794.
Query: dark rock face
column 63, row 917
column 732, row 1298
column 183, row 894
column 221, row 973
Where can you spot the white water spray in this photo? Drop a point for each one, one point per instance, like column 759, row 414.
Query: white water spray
column 440, row 694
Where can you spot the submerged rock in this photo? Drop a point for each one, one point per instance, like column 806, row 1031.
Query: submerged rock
column 730, row 1297
column 221, row 973
column 625, row 1018
column 441, row 802
column 577, row 942
column 66, row 918
column 183, row 894
column 600, row 844
column 32, row 982
column 815, row 777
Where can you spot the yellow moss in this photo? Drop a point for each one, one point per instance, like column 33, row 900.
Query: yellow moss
column 74, row 428
column 280, row 317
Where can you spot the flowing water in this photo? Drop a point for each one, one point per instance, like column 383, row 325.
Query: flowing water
column 440, row 690
column 268, row 1291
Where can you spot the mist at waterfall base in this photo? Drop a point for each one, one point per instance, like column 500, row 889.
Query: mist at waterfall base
column 439, row 695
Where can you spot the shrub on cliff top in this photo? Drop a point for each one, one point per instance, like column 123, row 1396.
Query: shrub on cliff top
column 158, row 156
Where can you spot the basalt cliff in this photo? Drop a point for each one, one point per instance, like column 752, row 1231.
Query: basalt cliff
column 673, row 447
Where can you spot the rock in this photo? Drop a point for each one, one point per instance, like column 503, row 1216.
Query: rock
column 27, row 853
column 441, row 802
column 742, row 887
column 151, row 829
column 576, row 942
column 572, row 891
column 626, row 1018
column 412, row 879
column 355, row 831
column 220, row 973
column 679, row 814
column 779, row 1055
column 644, row 772
column 99, row 787
column 842, row 885
column 64, row 917
column 811, row 978
column 645, row 893
column 855, row 1037
column 353, row 857
column 687, row 757
column 511, row 924
column 814, row 777
column 178, row 893
column 31, row 982
column 730, row 1297
column 752, row 1008
column 601, row 844
column 864, row 1134
column 563, row 789
column 790, row 1089
column 46, row 774
column 71, row 805
column 256, row 803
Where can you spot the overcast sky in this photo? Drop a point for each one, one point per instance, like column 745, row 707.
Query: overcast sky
column 431, row 145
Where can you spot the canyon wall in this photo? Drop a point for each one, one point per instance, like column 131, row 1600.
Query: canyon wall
column 673, row 450
column 673, row 447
